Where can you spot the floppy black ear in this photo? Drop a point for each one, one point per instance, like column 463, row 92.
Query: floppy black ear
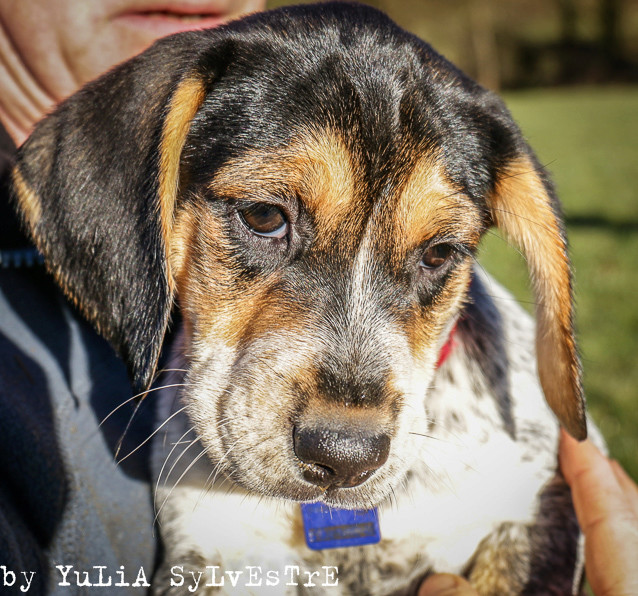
column 524, row 206
column 97, row 184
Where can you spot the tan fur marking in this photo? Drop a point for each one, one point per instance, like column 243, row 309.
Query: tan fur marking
column 502, row 561
column 522, row 210
column 198, row 262
column 180, row 255
column 180, row 247
column 330, row 181
column 317, row 167
column 431, row 206
column 186, row 100
column 28, row 200
column 212, row 298
column 263, row 311
column 428, row 324
column 318, row 409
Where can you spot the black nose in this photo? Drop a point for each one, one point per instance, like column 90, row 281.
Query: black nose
column 339, row 457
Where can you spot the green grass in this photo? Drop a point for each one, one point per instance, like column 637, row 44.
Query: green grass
column 588, row 138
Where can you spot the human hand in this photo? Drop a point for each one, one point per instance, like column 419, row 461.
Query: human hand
column 606, row 503
column 445, row 584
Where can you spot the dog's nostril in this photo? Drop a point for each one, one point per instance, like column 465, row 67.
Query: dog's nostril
column 339, row 457
column 318, row 474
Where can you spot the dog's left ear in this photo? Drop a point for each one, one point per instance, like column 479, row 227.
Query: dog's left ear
column 524, row 206
column 97, row 185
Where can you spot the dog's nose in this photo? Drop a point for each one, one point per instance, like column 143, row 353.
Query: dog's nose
column 339, row 457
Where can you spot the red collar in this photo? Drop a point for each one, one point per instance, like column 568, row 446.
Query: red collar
column 447, row 348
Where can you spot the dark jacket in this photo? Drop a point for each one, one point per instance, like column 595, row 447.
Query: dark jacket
column 63, row 499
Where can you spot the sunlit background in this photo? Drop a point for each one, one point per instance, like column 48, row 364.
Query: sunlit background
column 568, row 70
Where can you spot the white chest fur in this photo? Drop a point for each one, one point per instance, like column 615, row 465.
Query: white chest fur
column 472, row 474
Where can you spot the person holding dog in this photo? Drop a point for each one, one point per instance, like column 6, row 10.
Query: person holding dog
column 64, row 500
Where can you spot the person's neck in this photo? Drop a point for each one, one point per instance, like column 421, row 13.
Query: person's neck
column 22, row 100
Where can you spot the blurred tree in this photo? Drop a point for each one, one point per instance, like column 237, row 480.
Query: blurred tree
column 507, row 44
column 568, row 20
column 610, row 41
column 483, row 37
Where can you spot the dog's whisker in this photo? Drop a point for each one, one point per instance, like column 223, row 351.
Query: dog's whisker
column 274, row 370
column 504, row 241
column 119, row 461
column 231, row 488
column 535, row 170
column 168, row 457
column 226, row 479
column 426, row 436
column 120, row 441
column 189, row 467
column 208, row 483
column 507, row 299
column 161, row 371
column 478, row 263
column 179, row 457
column 128, row 426
column 394, row 503
column 143, row 394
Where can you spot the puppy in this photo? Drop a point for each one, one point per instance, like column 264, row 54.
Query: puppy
column 310, row 186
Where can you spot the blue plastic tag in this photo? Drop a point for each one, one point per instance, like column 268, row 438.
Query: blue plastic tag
column 327, row 527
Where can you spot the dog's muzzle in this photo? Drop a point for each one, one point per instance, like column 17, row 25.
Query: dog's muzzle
column 332, row 456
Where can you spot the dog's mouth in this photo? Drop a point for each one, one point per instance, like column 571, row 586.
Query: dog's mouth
column 327, row 478
column 338, row 466
column 346, row 470
column 362, row 496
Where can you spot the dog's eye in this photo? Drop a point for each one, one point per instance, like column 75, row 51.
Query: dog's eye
column 265, row 220
column 435, row 256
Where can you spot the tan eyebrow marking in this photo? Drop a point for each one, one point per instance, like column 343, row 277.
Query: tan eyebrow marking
column 317, row 167
column 430, row 206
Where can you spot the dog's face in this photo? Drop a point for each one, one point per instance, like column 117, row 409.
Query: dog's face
column 315, row 301
column 311, row 186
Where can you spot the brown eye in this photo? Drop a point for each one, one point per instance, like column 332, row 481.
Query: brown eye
column 435, row 256
column 265, row 220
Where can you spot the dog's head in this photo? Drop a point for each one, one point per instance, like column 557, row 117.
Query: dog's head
column 310, row 185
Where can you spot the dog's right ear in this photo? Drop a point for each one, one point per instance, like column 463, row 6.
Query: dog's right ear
column 97, row 185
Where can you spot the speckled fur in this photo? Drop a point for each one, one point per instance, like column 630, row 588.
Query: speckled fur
column 484, row 497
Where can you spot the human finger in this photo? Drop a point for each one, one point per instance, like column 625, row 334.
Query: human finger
column 446, row 584
column 596, row 491
column 629, row 487
column 606, row 516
